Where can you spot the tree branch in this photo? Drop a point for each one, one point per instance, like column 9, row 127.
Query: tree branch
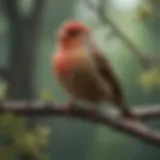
column 145, row 60
column 110, row 118
column 36, row 12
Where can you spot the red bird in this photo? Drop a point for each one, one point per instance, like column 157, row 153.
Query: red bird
column 83, row 70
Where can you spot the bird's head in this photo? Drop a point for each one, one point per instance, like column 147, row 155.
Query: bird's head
column 73, row 33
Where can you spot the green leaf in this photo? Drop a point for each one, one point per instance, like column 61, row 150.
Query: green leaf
column 41, row 133
column 29, row 141
column 43, row 130
column 3, row 91
column 150, row 79
column 47, row 96
column 7, row 153
column 23, row 141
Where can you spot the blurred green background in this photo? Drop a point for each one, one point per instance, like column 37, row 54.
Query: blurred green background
column 28, row 31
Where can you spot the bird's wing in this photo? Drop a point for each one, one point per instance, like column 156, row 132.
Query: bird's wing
column 105, row 70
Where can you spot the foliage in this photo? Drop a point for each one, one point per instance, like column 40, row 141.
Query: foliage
column 19, row 139
column 16, row 139
column 150, row 79
column 47, row 96
column 145, row 11
column 3, row 91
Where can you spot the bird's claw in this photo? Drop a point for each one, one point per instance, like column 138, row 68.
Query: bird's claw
column 128, row 114
column 93, row 110
column 68, row 106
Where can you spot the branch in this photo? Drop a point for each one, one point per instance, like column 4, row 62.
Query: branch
column 142, row 112
column 145, row 60
column 36, row 12
column 109, row 118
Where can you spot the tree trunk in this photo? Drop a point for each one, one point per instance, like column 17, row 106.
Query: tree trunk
column 24, row 33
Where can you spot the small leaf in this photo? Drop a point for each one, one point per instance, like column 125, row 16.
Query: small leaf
column 145, row 11
column 6, row 153
column 26, row 143
column 44, row 157
column 47, row 96
column 43, row 130
column 150, row 79
column 42, row 133
column 3, row 91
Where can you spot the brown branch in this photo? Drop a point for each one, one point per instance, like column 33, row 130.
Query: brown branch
column 142, row 112
column 109, row 118
column 145, row 60
column 148, row 112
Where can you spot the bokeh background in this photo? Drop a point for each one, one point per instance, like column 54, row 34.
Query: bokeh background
column 126, row 30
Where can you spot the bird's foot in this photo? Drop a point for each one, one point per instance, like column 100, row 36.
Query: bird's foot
column 94, row 110
column 68, row 106
column 128, row 114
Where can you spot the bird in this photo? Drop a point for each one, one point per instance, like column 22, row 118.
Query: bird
column 83, row 69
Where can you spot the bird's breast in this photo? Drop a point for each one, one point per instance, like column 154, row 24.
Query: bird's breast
column 68, row 64
column 76, row 74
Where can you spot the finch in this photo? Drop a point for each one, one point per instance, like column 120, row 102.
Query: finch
column 83, row 70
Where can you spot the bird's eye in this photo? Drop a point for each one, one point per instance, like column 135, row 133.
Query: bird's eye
column 73, row 33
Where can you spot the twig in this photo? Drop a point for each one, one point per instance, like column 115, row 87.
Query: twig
column 36, row 12
column 109, row 118
column 100, row 10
